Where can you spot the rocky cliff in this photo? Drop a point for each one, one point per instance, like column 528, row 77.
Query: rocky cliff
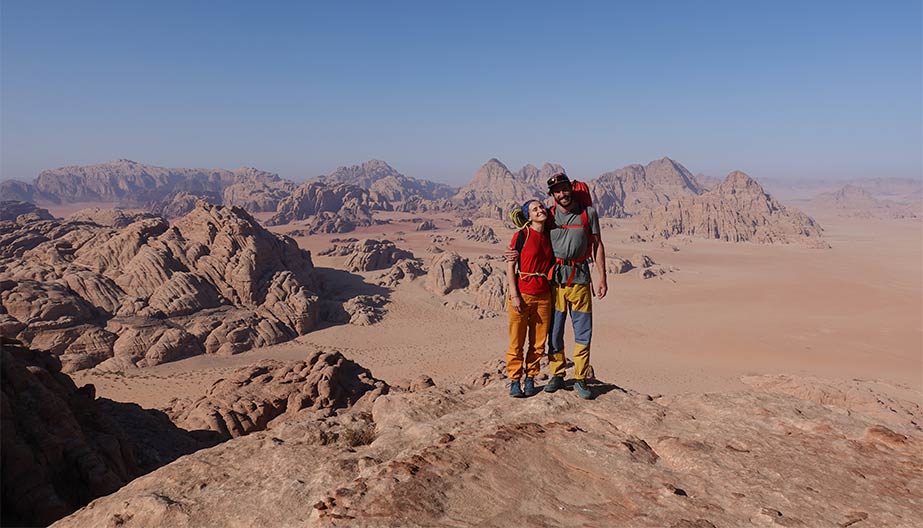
column 350, row 205
column 63, row 447
column 380, row 178
column 128, row 182
column 636, row 189
column 737, row 210
column 148, row 292
column 851, row 200
column 466, row 455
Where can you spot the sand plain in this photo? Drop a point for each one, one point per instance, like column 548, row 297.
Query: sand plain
column 854, row 311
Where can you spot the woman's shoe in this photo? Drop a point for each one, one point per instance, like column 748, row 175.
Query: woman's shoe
column 515, row 390
column 528, row 388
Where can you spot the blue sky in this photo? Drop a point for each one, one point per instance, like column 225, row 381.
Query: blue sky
column 776, row 89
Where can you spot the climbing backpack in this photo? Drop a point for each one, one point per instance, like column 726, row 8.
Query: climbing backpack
column 580, row 193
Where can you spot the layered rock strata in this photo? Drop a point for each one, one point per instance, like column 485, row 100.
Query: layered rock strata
column 423, row 458
column 349, row 203
column 213, row 282
column 737, row 210
column 62, row 447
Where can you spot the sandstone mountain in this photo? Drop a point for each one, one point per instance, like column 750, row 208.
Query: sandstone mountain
column 706, row 182
column 181, row 203
column 10, row 210
column 636, row 189
column 494, row 190
column 214, row 281
column 493, row 183
column 127, row 182
column 379, row 177
column 628, row 191
column 892, row 187
column 851, row 200
column 349, row 205
column 737, row 210
column 465, row 455
column 538, row 177
column 24, row 192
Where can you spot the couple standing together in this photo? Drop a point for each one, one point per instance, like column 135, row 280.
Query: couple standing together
column 549, row 276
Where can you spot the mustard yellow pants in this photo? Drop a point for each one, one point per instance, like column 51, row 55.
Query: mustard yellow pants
column 533, row 321
column 576, row 300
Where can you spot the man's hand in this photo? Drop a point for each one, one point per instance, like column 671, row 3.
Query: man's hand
column 511, row 255
column 601, row 289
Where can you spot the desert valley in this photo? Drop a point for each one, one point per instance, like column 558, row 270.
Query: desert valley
column 209, row 347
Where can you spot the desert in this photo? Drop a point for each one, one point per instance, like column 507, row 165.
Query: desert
column 443, row 264
column 367, row 346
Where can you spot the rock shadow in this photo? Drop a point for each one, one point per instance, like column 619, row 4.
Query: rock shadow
column 348, row 298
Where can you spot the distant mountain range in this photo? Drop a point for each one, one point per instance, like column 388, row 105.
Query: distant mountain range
column 346, row 198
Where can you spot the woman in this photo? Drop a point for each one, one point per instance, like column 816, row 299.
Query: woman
column 530, row 299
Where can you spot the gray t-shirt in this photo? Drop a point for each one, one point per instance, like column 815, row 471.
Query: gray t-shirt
column 571, row 243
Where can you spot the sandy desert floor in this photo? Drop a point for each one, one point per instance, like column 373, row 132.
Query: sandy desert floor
column 854, row 311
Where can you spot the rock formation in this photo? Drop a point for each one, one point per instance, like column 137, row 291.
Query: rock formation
column 20, row 191
column 181, row 203
column 367, row 254
column 479, row 233
column 851, row 200
column 10, row 210
column 737, row 210
column 215, row 282
column 536, row 177
column 636, row 189
column 371, row 254
column 256, row 397
column 423, row 458
column 482, row 280
column 170, row 192
column 62, row 447
column 379, row 178
column 347, row 203
column 418, row 204
column 256, row 191
column 494, row 186
column 117, row 218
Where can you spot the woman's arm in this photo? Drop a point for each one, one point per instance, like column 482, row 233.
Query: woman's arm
column 513, row 285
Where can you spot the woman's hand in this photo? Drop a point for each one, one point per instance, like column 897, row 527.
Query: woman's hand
column 516, row 303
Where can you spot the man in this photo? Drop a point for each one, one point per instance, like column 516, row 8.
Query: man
column 574, row 240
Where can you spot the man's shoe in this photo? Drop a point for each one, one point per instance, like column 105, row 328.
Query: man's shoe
column 582, row 390
column 554, row 384
column 528, row 387
column 515, row 390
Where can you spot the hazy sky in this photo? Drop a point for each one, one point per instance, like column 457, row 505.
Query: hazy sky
column 777, row 89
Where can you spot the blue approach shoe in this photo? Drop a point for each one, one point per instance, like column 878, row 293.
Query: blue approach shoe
column 529, row 387
column 515, row 391
column 554, row 384
column 582, row 390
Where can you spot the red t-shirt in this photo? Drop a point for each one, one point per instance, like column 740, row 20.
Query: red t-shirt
column 536, row 257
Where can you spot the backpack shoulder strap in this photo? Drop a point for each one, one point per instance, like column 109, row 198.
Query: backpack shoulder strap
column 521, row 239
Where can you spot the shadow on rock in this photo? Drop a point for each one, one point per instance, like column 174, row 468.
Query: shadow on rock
column 350, row 299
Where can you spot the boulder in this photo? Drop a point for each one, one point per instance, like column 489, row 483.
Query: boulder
column 448, row 271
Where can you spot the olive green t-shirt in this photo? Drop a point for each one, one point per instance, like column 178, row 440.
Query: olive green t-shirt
column 571, row 243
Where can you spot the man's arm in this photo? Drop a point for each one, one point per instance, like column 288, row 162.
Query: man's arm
column 599, row 257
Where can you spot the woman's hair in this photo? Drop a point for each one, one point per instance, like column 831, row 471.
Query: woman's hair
column 525, row 207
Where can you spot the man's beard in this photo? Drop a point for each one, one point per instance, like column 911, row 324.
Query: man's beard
column 565, row 201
